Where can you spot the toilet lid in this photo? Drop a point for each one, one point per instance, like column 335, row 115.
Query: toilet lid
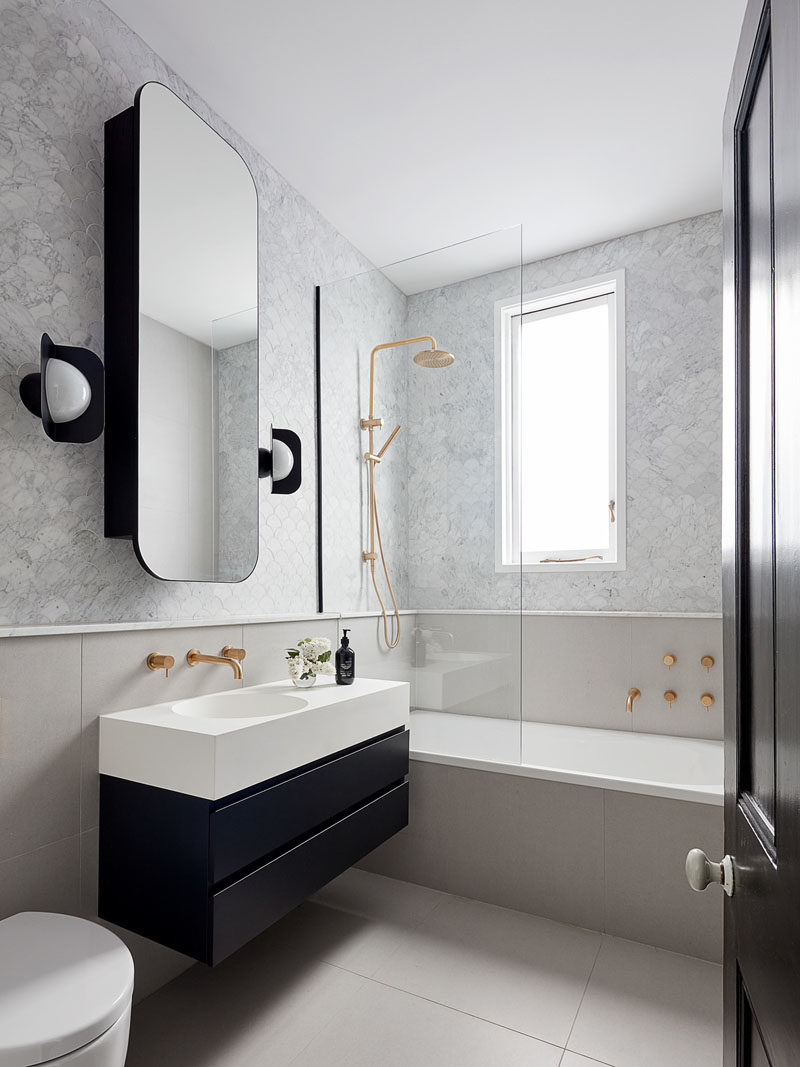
column 63, row 982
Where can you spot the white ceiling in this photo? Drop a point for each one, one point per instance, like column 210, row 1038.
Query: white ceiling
column 419, row 124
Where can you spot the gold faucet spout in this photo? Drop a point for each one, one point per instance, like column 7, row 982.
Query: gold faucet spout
column 194, row 656
column 633, row 694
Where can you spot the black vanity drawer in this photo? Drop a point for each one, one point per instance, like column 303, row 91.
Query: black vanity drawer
column 243, row 832
column 249, row 906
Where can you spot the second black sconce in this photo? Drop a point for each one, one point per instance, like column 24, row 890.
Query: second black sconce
column 282, row 462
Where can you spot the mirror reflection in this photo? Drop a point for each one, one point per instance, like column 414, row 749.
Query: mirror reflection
column 198, row 348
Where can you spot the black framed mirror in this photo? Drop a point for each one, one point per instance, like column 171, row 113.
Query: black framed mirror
column 182, row 417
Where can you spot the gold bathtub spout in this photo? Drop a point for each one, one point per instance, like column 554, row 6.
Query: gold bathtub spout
column 633, row 694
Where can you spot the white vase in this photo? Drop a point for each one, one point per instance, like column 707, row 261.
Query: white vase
column 304, row 683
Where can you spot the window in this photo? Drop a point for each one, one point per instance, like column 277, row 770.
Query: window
column 560, row 398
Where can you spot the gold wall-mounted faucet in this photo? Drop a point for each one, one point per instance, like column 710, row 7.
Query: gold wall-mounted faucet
column 194, row 656
column 633, row 694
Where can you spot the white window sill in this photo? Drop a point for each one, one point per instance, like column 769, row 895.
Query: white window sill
column 592, row 565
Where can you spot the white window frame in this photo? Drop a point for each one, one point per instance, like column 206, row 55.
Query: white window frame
column 507, row 318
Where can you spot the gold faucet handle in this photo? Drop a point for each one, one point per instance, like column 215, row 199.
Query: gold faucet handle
column 706, row 700
column 707, row 662
column 158, row 662
column 670, row 659
column 229, row 652
column 670, row 696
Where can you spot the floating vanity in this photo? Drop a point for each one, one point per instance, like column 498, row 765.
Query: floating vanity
column 220, row 814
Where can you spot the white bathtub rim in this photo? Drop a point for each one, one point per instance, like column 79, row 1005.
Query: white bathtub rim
column 669, row 790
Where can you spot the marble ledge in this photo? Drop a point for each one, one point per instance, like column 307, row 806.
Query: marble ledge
column 52, row 629
column 573, row 614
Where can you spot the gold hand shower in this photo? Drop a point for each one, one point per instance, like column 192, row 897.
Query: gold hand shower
column 428, row 357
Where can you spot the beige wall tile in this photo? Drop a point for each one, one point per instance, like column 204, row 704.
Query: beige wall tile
column 40, row 731
column 513, row 841
column 688, row 639
column 647, row 896
column 373, row 659
column 116, row 677
column 266, row 645
column 47, row 879
column 577, row 670
column 480, row 655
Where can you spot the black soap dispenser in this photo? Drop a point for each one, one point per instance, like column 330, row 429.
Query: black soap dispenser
column 345, row 662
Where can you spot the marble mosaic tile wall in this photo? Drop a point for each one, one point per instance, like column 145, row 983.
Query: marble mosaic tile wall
column 674, row 415
column 65, row 67
column 356, row 314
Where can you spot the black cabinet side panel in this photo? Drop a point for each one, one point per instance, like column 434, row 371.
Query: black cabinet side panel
column 250, row 905
column 154, row 863
column 121, row 328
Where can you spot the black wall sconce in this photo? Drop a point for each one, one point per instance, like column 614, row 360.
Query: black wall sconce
column 66, row 393
column 283, row 462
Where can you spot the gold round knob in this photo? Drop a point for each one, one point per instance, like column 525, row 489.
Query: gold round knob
column 229, row 652
column 670, row 659
column 706, row 700
column 707, row 662
column 158, row 662
column 670, row 696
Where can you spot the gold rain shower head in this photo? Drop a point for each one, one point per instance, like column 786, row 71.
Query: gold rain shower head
column 434, row 357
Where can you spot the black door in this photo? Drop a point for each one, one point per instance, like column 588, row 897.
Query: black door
column 761, row 540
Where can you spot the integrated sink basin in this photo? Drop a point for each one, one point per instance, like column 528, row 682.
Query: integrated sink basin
column 259, row 702
column 214, row 746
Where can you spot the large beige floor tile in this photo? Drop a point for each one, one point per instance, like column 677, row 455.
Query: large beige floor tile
column 516, row 970
column 644, row 1006
column 252, row 1009
column 375, row 897
column 390, row 1028
column 328, row 935
column 572, row 1059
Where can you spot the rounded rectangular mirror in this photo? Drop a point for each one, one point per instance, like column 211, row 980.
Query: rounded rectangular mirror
column 182, row 343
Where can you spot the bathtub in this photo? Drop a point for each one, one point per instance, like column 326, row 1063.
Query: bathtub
column 675, row 767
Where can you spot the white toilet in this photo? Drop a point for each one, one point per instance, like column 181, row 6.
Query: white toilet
column 65, row 992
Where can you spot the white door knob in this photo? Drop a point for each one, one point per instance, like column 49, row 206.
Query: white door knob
column 701, row 871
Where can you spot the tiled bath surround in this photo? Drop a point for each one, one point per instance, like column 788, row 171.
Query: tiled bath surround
column 596, row 858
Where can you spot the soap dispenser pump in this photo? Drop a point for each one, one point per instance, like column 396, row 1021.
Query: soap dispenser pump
column 345, row 662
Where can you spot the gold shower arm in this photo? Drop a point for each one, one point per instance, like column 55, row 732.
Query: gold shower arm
column 380, row 348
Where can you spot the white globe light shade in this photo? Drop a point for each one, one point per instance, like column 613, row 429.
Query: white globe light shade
column 282, row 460
column 67, row 390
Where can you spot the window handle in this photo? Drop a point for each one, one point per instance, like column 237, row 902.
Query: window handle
column 611, row 505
